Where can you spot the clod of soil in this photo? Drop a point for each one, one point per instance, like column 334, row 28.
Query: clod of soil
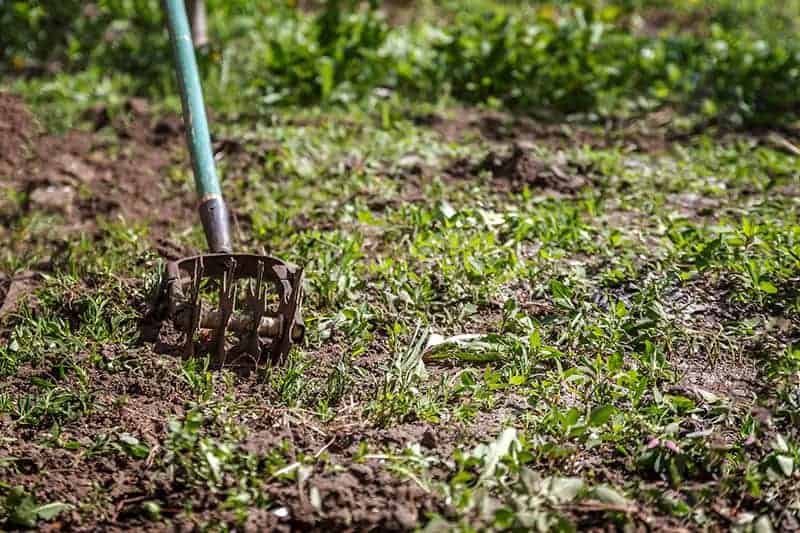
column 14, row 290
column 519, row 169
column 17, row 128
column 53, row 199
column 366, row 498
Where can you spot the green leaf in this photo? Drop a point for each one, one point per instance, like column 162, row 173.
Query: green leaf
column 470, row 347
column 763, row 525
column 560, row 292
column 326, row 76
column 21, row 508
column 786, row 464
column 504, row 518
column 133, row 446
column 572, row 416
column 767, row 287
column 447, row 210
column 681, row 403
column 495, row 451
column 128, row 439
column 49, row 511
column 779, row 444
column 517, row 380
column 214, row 464
column 600, row 415
column 152, row 509
column 608, row 495
column 565, row 489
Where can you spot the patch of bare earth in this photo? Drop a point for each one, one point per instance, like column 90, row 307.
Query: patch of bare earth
column 119, row 170
column 647, row 135
column 517, row 169
column 79, row 177
column 99, row 473
column 712, row 359
column 83, row 176
column 17, row 128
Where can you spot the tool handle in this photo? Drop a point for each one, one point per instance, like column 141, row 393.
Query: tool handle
column 213, row 212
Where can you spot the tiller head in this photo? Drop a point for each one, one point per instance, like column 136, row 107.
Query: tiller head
column 245, row 307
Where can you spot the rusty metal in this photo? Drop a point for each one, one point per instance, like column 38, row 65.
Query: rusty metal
column 257, row 316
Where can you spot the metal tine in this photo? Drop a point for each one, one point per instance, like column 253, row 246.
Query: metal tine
column 254, row 304
column 251, row 298
column 227, row 302
column 259, row 307
column 195, row 307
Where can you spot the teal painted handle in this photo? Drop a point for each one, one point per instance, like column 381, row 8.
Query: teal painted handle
column 194, row 110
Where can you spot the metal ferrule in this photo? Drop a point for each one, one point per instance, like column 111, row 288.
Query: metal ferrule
column 215, row 219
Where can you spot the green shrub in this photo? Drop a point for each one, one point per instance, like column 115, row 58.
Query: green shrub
column 582, row 61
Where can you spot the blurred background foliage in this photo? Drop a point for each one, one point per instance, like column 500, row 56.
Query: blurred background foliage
column 730, row 61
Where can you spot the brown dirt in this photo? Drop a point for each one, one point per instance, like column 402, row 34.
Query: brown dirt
column 645, row 135
column 363, row 498
column 13, row 290
column 701, row 309
column 518, row 169
column 360, row 497
column 118, row 170
column 17, row 128
column 80, row 176
column 143, row 394
column 137, row 403
column 353, row 495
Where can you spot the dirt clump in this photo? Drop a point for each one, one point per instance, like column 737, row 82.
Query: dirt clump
column 647, row 135
column 17, row 128
column 363, row 498
column 14, row 290
column 54, row 198
column 518, row 169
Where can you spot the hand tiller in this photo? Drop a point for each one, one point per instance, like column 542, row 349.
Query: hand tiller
column 257, row 298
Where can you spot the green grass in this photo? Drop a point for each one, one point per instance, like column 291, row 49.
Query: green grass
column 637, row 360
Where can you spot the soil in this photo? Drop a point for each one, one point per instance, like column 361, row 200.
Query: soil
column 361, row 496
column 14, row 289
column 648, row 135
column 701, row 307
column 17, row 128
column 518, row 169
column 82, row 177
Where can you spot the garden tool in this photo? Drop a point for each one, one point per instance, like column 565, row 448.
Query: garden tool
column 255, row 300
